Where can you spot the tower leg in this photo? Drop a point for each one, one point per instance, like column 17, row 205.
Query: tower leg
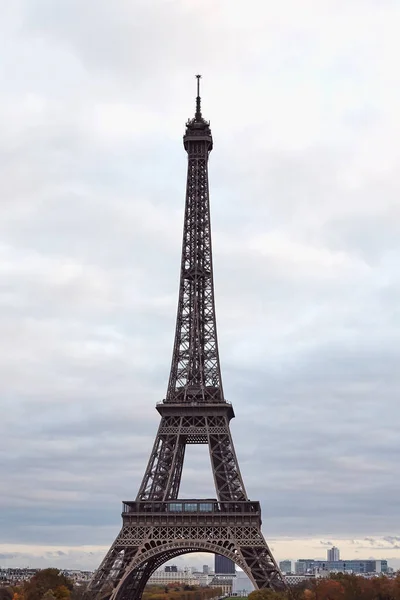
column 163, row 474
column 225, row 466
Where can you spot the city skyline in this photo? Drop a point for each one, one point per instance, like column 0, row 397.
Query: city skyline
column 305, row 216
column 364, row 549
column 192, row 567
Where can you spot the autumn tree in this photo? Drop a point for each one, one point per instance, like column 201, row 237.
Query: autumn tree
column 329, row 589
column 18, row 594
column 49, row 595
column 62, row 593
column 297, row 591
column 46, row 580
column 396, row 587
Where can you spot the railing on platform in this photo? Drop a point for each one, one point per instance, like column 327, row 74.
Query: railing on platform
column 190, row 506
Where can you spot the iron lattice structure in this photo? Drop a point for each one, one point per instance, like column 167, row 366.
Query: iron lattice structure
column 157, row 526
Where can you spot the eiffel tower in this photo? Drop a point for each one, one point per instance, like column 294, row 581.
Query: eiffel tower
column 158, row 526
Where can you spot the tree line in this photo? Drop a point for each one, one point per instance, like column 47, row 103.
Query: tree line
column 337, row 587
column 51, row 584
column 48, row 584
column 177, row 591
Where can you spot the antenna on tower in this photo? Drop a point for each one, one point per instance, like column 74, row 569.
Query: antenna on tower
column 198, row 99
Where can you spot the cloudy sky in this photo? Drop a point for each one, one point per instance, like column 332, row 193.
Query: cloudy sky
column 303, row 99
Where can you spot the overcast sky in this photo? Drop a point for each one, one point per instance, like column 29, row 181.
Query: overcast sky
column 303, row 99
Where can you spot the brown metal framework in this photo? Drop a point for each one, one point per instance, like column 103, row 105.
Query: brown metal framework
column 157, row 526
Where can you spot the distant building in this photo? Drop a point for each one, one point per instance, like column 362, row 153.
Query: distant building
column 295, row 579
column 170, row 569
column 206, row 569
column 224, row 565
column 286, row 566
column 333, row 554
column 77, row 576
column 163, row 577
column 204, row 578
column 309, row 566
column 16, row 576
column 301, row 566
column 225, row 583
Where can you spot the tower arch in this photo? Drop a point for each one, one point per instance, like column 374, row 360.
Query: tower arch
column 141, row 568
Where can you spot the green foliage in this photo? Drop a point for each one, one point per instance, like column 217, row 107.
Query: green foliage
column 49, row 595
column 267, row 594
column 62, row 593
column 180, row 592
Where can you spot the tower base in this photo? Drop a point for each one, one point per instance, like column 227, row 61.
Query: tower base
column 155, row 532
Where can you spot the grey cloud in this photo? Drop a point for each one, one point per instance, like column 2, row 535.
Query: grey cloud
column 392, row 539
column 325, row 543
column 304, row 188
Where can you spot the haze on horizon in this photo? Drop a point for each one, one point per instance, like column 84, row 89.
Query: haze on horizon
column 303, row 100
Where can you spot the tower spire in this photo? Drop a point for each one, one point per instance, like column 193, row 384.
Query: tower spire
column 198, row 100
column 195, row 370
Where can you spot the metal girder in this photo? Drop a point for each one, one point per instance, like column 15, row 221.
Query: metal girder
column 162, row 477
column 195, row 371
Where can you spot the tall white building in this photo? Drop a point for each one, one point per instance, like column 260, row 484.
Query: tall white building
column 333, row 554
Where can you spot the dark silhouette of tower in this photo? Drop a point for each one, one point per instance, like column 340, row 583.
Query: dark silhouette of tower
column 158, row 526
